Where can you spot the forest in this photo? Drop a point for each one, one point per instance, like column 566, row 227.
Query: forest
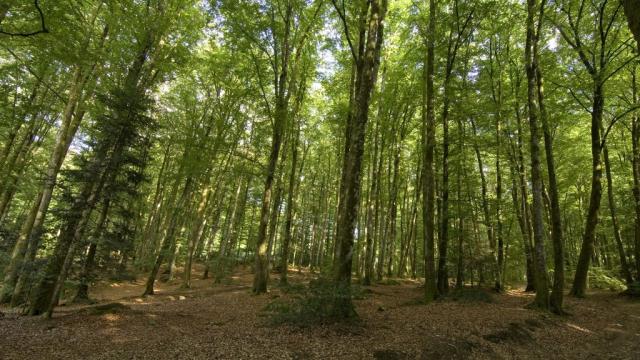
column 313, row 179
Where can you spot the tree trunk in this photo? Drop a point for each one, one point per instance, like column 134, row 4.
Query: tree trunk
column 459, row 200
column 18, row 253
column 291, row 196
column 372, row 210
column 429, row 143
column 169, row 239
column 367, row 67
column 632, row 11
column 485, row 197
column 85, row 276
column 635, row 140
column 196, row 231
column 586, row 251
column 393, row 206
column 624, row 266
column 261, row 267
column 542, row 288
column 557, row 294
column 45, row 294
column 443, row 273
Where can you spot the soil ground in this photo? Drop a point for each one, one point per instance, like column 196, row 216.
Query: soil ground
column 225, row 321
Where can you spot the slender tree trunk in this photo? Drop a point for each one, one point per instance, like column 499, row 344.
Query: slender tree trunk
column 500, row 240
column 169, row 239
column 635, row 142
column 85, row 276
column 429, row 142
column 586, row 251
column 291, row 196
column 525, row 209
column 485, row 196
column 393, row 206
column 443, row 273
column 542, row 288
column 196, row 231
column 459, row 200
column 367, row 68
column 372, row 211
column 274, row 220
column 624, row 266
column 557, row 294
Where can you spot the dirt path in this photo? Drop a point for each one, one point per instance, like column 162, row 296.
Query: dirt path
column 227, row 322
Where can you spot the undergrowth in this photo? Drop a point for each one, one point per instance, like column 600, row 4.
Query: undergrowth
column 469, row 294
column 318, row 303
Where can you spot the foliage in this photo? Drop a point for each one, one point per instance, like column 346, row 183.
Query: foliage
column 470, row 294
column 600, row 278
column 311, row 305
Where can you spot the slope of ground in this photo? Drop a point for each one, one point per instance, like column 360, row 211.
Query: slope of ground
column 227, row 322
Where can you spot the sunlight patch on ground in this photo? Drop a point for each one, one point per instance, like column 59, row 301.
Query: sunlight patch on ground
column 576, row 327
column 111, row 317
column 519, row 293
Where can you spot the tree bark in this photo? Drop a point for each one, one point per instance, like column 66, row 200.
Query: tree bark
column 291, row 196
column 542, row 288
column 367, row 67
column 586, row 251
column 632, row 11
column 429, row 143
column 261, row 265
column 624, row 265
column 557, row 294
column 85, row 276
column 635, row 142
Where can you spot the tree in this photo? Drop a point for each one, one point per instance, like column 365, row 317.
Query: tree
column 365, row 56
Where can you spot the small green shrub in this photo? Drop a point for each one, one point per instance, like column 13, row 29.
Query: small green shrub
column 319, row 303
column 470, row 295
column 604, row 279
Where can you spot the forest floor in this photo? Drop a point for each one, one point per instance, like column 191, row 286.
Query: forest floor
column 226, row 322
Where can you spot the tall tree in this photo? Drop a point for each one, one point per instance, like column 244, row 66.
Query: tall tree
column 365, row 51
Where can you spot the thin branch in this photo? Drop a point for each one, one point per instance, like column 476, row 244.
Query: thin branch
column 260, row 83
column 619, row 68
column 614, row 121
column 347, row 34
column 43, row 27
column 60, row 97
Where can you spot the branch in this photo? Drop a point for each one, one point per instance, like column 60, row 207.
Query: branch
column 572, row 93
column 262, row 90
column 43, row 26
column 620, row 68
column 32, row 72
column 614, row 121
column 346, row 28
